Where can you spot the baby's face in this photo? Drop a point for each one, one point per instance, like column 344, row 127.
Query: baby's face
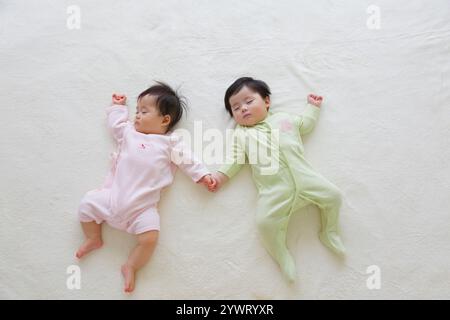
column 148, row 118
column 248, row 107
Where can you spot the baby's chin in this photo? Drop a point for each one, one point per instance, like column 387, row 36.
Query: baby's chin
column 147, row 130
column 139, row 129
column 136, row 127
column 249, row 121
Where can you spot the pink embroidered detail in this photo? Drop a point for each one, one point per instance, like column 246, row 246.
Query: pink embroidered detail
column 285, row 126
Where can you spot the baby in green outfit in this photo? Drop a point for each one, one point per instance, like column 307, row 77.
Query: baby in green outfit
column 285, row 181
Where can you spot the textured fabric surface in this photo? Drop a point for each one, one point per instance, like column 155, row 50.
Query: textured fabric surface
column 382, row 138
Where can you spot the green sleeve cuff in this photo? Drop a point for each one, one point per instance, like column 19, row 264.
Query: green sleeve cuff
column 230, row 170
column 311, row 111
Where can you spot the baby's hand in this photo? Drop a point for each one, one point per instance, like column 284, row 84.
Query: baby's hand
column 315, row 100
column 118, row 98
column 219, row 179
column 207, row 181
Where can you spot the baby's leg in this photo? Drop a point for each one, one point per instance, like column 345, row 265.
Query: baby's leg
column 327, row 197
column 93, row 233
column 93, row 209
column 273, row 213
column 139, row 256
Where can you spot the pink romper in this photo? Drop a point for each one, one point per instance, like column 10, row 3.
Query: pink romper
column 143, row 165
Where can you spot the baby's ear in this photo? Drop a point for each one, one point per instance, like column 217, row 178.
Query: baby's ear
column 267, row 102
column 166, row 120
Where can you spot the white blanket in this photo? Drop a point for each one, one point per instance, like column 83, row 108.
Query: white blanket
column 383, row 68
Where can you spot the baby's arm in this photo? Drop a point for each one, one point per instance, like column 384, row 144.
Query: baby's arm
column 309, row 117
column 235, row 159
column 117, row 115
column 182, row 156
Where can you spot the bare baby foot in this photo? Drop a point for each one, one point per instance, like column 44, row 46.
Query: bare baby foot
column 88, row 246
column 128, row 275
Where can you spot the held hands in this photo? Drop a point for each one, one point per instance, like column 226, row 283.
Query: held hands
column 213, row 182
column 118, row 98
column 315, row 100
column 207, row 181
column 219, row 179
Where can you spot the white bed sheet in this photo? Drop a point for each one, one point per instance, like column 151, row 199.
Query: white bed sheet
column 382, row 138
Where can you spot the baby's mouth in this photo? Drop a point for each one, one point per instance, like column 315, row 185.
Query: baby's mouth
column 247, row 115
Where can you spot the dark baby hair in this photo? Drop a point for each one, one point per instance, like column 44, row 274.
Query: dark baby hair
column 168, row 101
column 257, row 86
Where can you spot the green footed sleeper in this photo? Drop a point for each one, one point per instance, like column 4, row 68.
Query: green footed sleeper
column 286, row 182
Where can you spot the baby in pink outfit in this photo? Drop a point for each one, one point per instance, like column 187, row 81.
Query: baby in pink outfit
column 147, row 158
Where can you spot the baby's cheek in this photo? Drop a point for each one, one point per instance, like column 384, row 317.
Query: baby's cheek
column 147, row 121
